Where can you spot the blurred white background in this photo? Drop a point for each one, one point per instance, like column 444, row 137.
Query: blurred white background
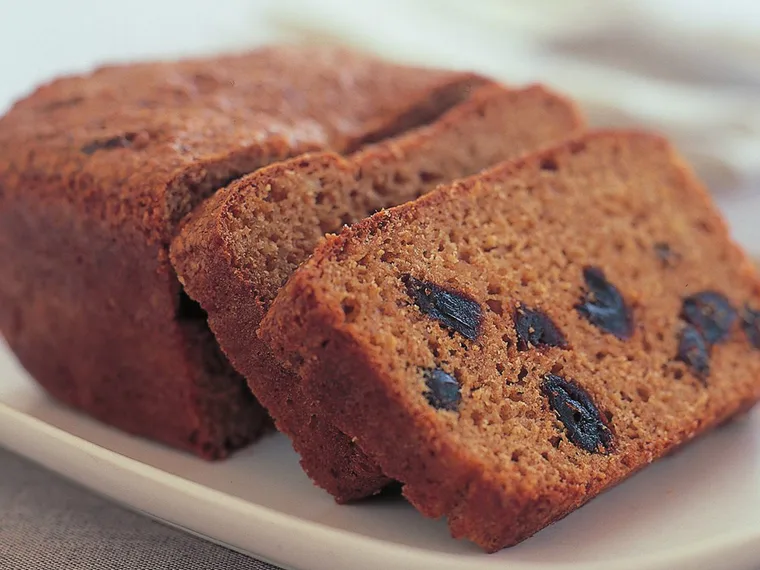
column 687, row 68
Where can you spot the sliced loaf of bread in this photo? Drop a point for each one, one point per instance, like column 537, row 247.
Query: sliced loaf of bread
column 237, row 250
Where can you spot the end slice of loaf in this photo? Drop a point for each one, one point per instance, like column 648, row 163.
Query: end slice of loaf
column 513, row 344
column 242, row 245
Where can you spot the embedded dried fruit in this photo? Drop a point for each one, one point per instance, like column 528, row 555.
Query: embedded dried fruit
column 711, row 314
column 121, row 141
column 576, row 410
column 694, row 351
column 442, row 390
column 666, row 255
column 451, row 308
column 535, row 328
column 603, row 305
column 751, row 325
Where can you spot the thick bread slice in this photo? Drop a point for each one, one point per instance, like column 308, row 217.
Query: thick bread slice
column 513, row 344
column 240, row 247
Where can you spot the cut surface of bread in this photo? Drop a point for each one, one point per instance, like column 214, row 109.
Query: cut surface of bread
column 96, row 173
column 511, row 345
column 237, row 250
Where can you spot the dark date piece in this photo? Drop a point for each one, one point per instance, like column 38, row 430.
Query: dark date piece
column 666, row 255
column 603, row 305
column 121, row 141
column 711, row 314
column 695, row 352
column 751, row 325
column 585, row 425
column 442, row 390
column 451, row 308
column 536, row 329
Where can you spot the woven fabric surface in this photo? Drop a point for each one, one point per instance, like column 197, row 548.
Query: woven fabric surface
column 48, row 523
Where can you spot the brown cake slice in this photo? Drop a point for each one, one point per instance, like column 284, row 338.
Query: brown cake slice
column 97, row 171
column 513, row 344
column 240, row 247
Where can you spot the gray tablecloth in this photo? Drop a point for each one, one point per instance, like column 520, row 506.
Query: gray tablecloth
column 48, row 523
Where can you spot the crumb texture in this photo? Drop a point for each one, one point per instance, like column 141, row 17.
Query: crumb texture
column 594, row 356
column 242, row 245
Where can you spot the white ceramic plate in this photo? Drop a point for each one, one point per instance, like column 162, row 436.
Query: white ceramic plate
column 699, row 509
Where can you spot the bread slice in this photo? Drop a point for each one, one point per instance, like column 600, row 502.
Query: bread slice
column 239, row 248
column 513, row 344
column 98, row 170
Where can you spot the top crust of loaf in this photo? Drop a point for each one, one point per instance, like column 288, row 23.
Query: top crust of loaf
column 142, row 144
column 496, row 456
column 268, row 222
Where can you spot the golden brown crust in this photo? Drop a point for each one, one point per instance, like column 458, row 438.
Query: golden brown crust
column 96, row 171
column 503, row 465
column 238, row 249
column 147, row 142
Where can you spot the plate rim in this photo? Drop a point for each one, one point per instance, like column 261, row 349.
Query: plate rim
column 73, row 454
